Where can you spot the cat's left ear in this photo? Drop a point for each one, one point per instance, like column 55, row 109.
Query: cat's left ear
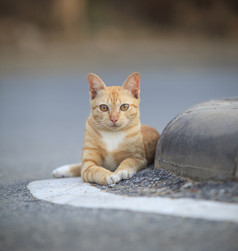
column 95, row 85
column 132, row 84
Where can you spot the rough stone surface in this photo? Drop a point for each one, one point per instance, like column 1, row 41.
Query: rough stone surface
column 202, row 142
column 159, row 182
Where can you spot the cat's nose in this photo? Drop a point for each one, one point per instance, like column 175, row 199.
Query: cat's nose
column 114, row 120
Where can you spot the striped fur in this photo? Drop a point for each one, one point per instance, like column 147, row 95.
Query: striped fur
column 115, row 144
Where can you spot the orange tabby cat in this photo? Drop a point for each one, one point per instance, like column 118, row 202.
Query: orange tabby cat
column 116, row 146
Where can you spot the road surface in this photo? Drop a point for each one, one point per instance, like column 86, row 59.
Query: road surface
column 43, row 108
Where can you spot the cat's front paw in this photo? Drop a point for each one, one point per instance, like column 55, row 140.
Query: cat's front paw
column 113, row 179
column 118, row 176
column 62, row 172
column 125, row 174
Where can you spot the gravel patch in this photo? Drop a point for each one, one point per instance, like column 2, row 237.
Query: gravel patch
column 158, row 182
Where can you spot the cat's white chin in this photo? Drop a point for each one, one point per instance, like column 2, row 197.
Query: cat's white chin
column 117, row 126
column 114, row 127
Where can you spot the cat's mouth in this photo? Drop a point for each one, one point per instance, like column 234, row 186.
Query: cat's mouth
column 114, row 125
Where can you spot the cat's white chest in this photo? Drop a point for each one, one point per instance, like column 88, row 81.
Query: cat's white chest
column 112, row 139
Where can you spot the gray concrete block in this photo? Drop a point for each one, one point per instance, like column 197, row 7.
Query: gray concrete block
column 202, row 142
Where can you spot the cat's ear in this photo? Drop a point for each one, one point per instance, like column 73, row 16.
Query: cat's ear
column 95, row 85
column 132, row 84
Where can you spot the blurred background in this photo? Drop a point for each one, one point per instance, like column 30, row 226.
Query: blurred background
column 186, row 52
column 80, row 19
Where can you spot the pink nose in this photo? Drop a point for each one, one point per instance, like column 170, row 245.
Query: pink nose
column 114, row 120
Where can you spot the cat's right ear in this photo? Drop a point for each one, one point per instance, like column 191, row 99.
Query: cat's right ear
column 95, row 85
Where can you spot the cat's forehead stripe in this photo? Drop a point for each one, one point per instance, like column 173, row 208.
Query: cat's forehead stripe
column 113, row 94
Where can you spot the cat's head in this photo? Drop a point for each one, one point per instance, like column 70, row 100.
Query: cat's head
column 114, row 108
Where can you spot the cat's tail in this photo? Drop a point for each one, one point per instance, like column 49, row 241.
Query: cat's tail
column 73, row 170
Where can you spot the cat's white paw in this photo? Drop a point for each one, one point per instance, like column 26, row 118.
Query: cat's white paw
column 121, row 175
column 125, row 174
column 62, row 172
column 113, row 179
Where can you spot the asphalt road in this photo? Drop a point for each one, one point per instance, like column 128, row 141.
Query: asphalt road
column 42, row 115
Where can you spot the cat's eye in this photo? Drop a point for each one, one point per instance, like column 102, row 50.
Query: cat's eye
column 103, row 108
column 124, row 107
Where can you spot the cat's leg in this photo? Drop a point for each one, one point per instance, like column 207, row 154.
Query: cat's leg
column 91, row 169
column 73, row 170
column 128, row 168
column 92, row 172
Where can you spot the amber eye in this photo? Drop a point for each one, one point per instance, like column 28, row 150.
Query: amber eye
column 124, row 107
column 103, row 108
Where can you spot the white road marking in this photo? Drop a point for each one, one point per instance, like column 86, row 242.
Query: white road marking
column 75, row 192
